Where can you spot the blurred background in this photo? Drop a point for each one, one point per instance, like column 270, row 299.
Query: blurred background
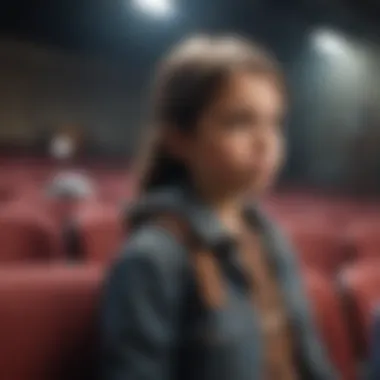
column 74, row 90
column 84, row 69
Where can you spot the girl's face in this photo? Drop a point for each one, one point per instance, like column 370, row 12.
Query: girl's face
column 238, row 144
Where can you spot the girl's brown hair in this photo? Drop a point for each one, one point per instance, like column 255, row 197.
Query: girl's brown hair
column 187, row 82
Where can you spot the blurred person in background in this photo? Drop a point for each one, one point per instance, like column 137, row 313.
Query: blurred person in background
column 206, row 286
column 66, row 193
column 62, row 147
column 74, row 185
column 65, row 145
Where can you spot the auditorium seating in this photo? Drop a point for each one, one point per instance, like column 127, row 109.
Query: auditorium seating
column 48, row 317
column 322, row 248
column 361, row 288
column 100, row 232
column 330, row 320
column 365, row 237
column 48, row 302
column 26, row 234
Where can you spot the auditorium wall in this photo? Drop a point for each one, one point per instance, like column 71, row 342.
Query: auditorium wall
column 42, row 90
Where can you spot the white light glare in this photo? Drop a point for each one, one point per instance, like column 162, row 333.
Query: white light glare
column 329, row 42
column 160, row 8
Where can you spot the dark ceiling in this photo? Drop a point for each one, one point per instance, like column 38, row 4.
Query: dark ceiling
column 109, row 27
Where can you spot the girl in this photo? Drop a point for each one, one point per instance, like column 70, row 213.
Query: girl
column 206, row 288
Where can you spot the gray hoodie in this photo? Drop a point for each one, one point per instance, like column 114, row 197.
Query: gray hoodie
column 154, row 326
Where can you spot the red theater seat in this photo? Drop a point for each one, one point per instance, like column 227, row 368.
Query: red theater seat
column 332, row 325
column 26, row 234
column 47, row 322
column 6, row 193
column 100, row 232
column 320, row 248
column 365, row 238
column 361, row 285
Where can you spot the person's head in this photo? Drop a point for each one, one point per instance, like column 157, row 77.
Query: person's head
column 62, row 147
column 216, row 118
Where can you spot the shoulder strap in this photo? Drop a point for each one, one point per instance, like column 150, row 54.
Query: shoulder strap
column 205, row 263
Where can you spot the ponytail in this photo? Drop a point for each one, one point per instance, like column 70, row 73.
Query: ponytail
column 162, row 170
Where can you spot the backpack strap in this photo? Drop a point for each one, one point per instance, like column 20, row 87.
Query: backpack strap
column 205, row 263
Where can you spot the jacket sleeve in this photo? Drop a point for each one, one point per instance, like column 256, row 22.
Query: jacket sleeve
column 141, row 308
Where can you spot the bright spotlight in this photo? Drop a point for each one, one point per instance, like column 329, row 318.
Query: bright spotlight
column 157, row 8
column 329, row 42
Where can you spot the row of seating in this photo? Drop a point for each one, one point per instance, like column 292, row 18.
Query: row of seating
column 327, row 248
column 28, row 234
column 48, row 308
column 344, row 311
column 26, row 182
column 48, row 319
column 40, row 296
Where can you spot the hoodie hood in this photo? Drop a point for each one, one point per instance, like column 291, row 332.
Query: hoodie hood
column 154, row 204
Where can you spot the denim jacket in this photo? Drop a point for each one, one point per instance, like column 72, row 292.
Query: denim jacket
column 154, row 326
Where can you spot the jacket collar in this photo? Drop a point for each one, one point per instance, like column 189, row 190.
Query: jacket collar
column 185, row 203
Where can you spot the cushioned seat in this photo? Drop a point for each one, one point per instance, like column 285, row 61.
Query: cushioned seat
column 333, row 327
column 47, row 322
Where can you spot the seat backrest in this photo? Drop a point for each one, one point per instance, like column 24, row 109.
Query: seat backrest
column 26, row 235
column 374, row 357
column 361, row 287
column 365, row 238
column 321, row 249
column 47, row 320
column 6, row 193
column 330, row 319
column 100, row 232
